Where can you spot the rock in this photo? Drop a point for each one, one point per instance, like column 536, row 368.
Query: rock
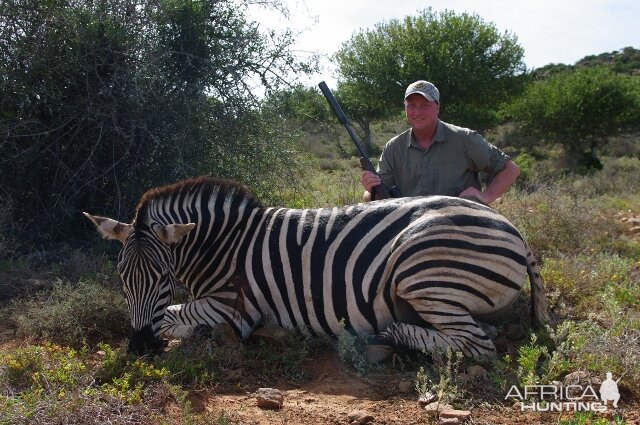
column 578, row 377
column 426, row 398
column 635, row 230
column 475, row 372
column 433, row 409
column 269, row 398
column 378, row 353
column 358, row 417
column 406, row 386
column 445, row 421
column 461, row 415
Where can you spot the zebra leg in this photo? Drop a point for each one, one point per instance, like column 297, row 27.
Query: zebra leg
column 446, row 327
column 201, row 317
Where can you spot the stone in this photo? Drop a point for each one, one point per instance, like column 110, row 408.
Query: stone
column 359, row 417
column 269, row 398
column 433, row 409
column 475, row 372
column 579, row 377
column 426, row 398
column 448, row 421
column 461, row 415
column 406, row 386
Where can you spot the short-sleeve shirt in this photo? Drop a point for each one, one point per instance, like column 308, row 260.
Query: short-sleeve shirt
column 450, row 165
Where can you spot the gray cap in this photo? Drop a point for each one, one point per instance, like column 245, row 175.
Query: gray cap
column 425, row 89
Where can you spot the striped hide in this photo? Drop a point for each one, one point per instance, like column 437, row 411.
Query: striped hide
column 414, row 272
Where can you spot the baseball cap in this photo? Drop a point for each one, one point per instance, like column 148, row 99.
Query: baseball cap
column 425, row 89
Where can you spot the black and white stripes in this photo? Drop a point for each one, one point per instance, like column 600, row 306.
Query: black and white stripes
column 320, row 270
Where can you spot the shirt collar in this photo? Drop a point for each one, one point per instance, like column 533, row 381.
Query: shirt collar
column 438, row 137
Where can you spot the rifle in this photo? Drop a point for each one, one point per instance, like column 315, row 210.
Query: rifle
column 382, row 190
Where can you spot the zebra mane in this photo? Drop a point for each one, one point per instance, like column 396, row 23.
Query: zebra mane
column 192, row 185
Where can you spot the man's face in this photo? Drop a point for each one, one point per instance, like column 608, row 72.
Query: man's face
column 421, row 113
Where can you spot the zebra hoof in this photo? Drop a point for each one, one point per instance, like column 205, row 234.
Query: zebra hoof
column 490, row 330
column 273, row 335
column 379, row 353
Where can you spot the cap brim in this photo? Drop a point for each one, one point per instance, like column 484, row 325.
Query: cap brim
column 426, row 96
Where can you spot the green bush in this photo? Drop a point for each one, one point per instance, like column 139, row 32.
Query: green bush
column 561, row 110
column 352, row 351
column 71, row 314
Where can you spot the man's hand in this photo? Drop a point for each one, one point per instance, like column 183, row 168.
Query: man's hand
column 498, row 186
column 369, row 180
column 472, row 192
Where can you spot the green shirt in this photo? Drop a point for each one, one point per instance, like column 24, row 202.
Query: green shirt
column 450, row 165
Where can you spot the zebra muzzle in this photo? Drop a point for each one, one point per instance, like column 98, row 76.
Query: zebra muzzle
column 144, row 341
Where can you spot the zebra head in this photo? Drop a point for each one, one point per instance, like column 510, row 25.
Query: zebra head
column 145, row 266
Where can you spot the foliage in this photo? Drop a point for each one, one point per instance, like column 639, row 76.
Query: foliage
column 474, row 66
column 100, row 101
column 73, row 313
column 579, row 110
column 351, row 349
column 443, row 382
column 623, row 61
column 588, row 418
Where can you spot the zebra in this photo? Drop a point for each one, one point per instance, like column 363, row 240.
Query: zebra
column 414, row 273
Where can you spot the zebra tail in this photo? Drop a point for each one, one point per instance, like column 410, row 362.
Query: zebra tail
column 538, row 299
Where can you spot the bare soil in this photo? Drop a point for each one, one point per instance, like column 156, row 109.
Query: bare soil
column 332, row 393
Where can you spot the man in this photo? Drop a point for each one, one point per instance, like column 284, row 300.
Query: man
column 436, row 158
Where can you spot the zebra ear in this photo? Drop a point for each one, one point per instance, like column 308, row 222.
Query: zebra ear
column 173, row 233
column 110, row 229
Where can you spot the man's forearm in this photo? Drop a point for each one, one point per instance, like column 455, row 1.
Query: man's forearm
column 501, row 182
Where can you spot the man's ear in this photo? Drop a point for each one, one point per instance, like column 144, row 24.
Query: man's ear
column 173, row 233
column 110, row 229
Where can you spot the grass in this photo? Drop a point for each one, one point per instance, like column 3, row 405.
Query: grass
column 590, row 265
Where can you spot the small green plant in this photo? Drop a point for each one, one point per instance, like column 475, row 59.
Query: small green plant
column 443, row 382
column 47, row 368
column 529, row 358
column 588, row 418
column 352, row 351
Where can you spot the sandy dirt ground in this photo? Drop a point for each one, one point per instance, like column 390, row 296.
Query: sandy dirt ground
column 334, row 395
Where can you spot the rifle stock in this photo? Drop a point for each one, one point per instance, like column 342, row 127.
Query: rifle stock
column 381, row 191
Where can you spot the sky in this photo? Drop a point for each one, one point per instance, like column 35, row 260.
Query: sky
column 560, row 31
